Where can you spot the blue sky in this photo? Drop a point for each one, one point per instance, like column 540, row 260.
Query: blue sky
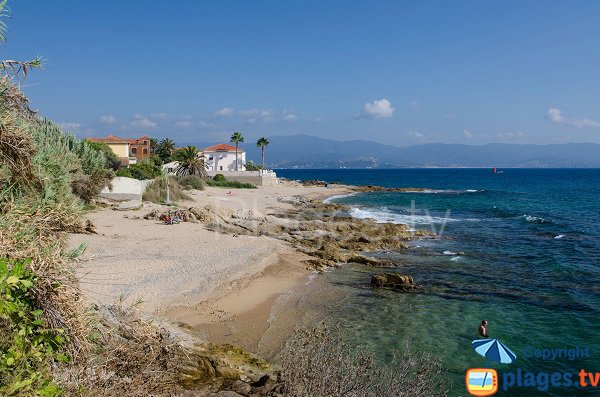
column 392, row 72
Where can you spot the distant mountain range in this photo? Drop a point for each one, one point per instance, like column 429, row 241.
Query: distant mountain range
column 304, row 151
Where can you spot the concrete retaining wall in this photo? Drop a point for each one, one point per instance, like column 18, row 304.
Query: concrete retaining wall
column 125, row 189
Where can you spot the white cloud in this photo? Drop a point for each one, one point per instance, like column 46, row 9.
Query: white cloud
column 416, row 135
column 468, row 134
column 142, row 122
column 379, row 108
column 184, row 124
column 256, row 115
column 288, row 116
column 555, row 115
column 109, row 119
column 70, row 126
column 225, row 112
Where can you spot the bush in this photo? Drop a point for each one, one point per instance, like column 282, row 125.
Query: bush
column 87, row 187
column 219, row 178
column 27, row 345
column 318, row 362
column 156, row 191
column 252, row 166
column 230, row 184
column 145, row 169
column 112, row 160
column 189, row 182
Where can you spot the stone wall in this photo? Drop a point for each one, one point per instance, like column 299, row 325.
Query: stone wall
column 257, row 178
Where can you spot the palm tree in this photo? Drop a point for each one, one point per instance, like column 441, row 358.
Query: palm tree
column 262, row 143
column 236, row 138
column 165, row 149
column 154, row 146
column 190, row 162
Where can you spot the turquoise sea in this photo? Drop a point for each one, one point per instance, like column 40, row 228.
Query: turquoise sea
column 520, row 249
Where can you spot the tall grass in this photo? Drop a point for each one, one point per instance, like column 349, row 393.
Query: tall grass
column 39, row 166
column 156, row 191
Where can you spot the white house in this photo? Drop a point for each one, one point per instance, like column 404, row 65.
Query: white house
column 221, row 157
column 169, row 168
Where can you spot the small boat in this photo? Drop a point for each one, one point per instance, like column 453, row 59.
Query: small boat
column 496, row 171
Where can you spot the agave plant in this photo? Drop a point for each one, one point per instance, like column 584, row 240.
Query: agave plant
column 191, row 162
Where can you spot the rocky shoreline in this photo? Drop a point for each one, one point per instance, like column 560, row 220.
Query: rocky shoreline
column 325, row 235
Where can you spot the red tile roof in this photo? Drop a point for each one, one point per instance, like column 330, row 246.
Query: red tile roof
column 110, row 139
column 221, row 147
column 116, row 139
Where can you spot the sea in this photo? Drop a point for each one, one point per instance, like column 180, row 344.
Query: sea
column 519, row 248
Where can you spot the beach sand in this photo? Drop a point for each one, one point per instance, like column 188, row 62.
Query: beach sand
column 217, row 286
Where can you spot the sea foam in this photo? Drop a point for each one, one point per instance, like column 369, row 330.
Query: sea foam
column 383, row 216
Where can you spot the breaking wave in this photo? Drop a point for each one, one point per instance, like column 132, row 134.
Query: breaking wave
column 383, row 216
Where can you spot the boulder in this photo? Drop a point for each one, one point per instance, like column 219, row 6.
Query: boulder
column 393, row 281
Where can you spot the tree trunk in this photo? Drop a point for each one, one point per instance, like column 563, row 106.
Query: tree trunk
column 263, row 157
column 236, row 156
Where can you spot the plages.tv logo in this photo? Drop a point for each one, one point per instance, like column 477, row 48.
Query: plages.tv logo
column 483, row 382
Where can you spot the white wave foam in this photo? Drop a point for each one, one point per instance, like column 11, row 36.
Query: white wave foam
column 455, row 258
column 381, row 216
column 339, row 196
column 559, row 236
column 536, row 219
column 444, row 191
column 449, row 253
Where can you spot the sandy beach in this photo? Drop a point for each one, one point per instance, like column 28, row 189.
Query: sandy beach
column 221, row 287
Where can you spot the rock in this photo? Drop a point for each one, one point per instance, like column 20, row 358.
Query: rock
column 393, row 281
column 129, row 205
column 226, row 393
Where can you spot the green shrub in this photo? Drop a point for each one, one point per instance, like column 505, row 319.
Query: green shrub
column 219, row 178
column 87, row 187
column 145, row 169
column 189, row 182
column 252, row 166
column 156, row 191
column 112, row 160
column 230, row 184
column 27, row 346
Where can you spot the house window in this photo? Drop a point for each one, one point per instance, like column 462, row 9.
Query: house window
column 221, row 168
column 210, row 158
column 145, row 142
column 145, row 151
column 133, row 150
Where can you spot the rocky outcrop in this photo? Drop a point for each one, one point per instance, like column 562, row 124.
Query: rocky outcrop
column 393, row 281
column 324, row 231
column 375, row 188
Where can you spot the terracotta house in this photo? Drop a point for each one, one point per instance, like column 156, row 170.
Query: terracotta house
column 129, row 151
column 140, row 148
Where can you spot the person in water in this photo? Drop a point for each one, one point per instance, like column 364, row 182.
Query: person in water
column 483, row 329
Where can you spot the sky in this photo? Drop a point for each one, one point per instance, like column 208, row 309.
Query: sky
column 394, row 72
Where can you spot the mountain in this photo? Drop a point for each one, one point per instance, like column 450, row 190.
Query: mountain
column 304, row 151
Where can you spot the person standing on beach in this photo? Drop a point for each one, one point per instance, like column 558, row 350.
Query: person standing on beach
column 483, row 329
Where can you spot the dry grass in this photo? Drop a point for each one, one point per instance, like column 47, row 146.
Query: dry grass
column 318, row 362
column 156, row 191
column 16, row 149
column 132, row 357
